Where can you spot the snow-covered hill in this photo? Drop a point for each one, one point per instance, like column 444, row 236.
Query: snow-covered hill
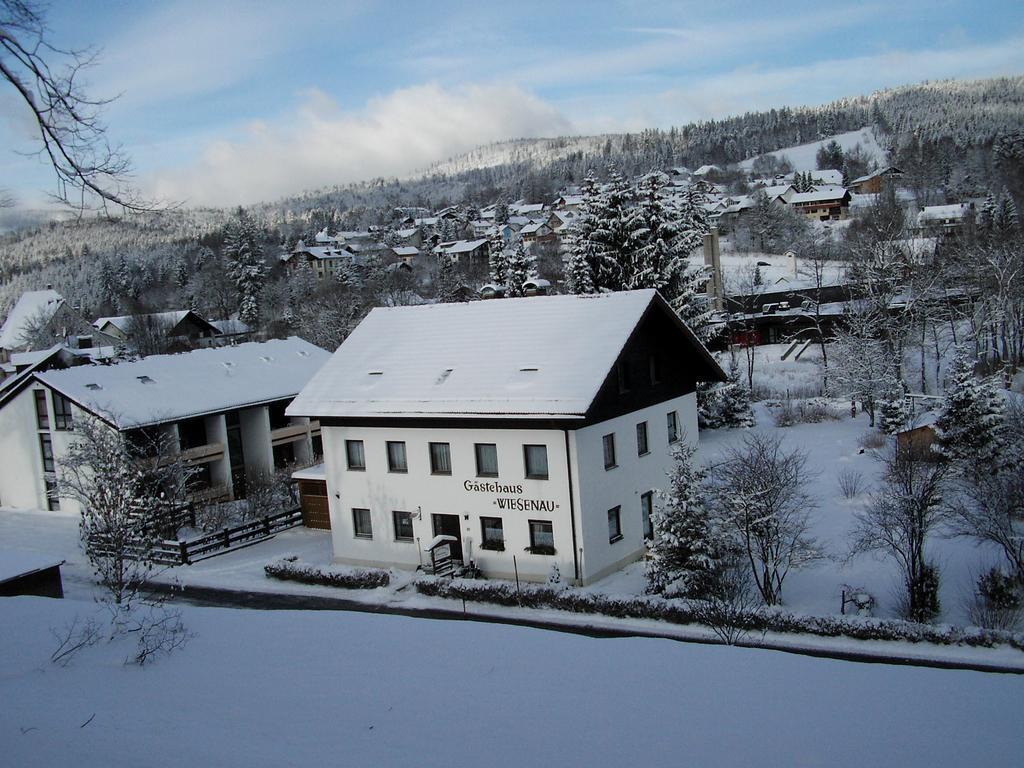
column 803, row 156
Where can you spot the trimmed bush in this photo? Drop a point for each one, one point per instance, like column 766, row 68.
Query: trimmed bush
column 290, row 569
column 678, row 611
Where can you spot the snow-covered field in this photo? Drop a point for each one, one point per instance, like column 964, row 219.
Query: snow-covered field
column 803, row 156
column 256, row 688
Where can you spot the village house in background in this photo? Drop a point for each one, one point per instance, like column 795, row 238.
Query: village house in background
column 518, row 434
column 221, row 408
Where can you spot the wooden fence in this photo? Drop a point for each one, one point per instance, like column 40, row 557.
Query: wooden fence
column 184, row 552
column 169, row 552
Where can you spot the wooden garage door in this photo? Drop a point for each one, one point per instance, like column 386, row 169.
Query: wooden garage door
column 315, row 513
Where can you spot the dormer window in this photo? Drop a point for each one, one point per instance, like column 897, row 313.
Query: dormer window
column 144, row 379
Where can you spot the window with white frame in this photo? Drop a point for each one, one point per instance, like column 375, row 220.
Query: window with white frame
column 614, row 524
column 646, row 510
column 486, row 459
column 396, row 456
column 440, row 459
column 609, row 450
column 403, row 525
column 493, row 533
column 362, row 525
column 355, row 454
column 542, row 537
column 535, row 458
column 672, row 418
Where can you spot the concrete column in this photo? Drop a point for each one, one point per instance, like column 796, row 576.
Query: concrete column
column 259, row 455
column 217, row 432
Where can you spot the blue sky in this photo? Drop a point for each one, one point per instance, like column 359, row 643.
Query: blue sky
column 225, row 102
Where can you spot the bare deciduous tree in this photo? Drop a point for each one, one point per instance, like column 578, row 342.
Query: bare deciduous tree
column 898, row 521
column 91, row 172
column 761, row 497
column 123, row 492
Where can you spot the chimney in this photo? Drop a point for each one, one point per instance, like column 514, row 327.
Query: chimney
column 791, row 262
column 713, row 260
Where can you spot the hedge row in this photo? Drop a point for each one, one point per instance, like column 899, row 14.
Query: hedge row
column 290, row 569
column 678, row 611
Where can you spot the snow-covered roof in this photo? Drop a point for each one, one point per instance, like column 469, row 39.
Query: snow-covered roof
column 939, row 212
column 316, row 472
column 460, row 246
column 411, row 232
column 704, row 170
column 406, row 250
column 163, row 388
column 819, row 196
column 543, row 356
column 18, row 563
column 527, row 208
column 123, row 323
column 30, row 306
column 879, row 172
column 230, row 327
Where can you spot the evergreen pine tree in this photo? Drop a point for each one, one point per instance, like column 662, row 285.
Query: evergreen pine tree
column 612, row 235
column 448, row 288
column 246, row 267
column 497, row 260
column 685, row 551
column 520, row 269
column 970, row 424
column 1004, row 220
column 987, row 217
column 894, row 410
column 582, row 247
column 733, row 402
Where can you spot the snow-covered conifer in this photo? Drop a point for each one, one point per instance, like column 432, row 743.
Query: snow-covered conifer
column 246, row 267
column 687, row 544
column 969, row 428
column 520, row 268
column 893, row 408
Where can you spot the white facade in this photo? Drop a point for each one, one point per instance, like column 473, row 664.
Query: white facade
column 577, row 509
column 222, row 409
column 556, row 373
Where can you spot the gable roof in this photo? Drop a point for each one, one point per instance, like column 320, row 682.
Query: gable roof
column 195, row 383
column 819, row 196
column 30, row 305
column 537, row 357
column 460, row 246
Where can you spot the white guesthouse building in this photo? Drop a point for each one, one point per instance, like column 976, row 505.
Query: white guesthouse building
column 222, row 408
column 532, row 431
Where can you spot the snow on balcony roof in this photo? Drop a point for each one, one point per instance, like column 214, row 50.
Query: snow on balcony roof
column 466, row 360
column 195, row 383
column 30, row 306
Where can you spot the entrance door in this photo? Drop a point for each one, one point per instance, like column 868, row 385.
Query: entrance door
column 448, row 525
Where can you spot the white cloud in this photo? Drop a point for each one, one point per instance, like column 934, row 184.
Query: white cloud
column 192, row 47
column 320, row 144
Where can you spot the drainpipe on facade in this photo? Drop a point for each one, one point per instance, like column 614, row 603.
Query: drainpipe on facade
column 572, row 514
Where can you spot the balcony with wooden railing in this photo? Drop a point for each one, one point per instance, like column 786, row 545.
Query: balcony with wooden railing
column 294, row 432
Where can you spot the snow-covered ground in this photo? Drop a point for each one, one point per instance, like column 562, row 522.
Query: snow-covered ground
column 259, row 688
column 803, row 157
column 832, row 447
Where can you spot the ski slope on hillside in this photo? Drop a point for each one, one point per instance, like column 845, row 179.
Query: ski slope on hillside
column 802, row 156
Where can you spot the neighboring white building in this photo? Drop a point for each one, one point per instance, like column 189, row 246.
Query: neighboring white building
column 533, row 431
column 222, row 407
